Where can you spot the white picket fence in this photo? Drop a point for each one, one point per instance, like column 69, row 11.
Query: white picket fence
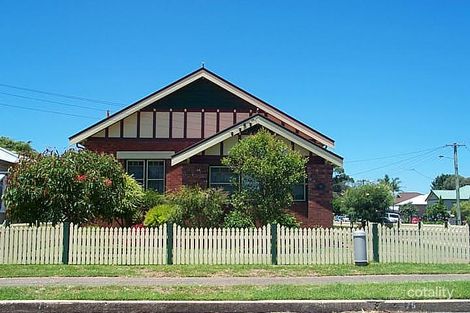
column 426, row 244
column 31, row 245
column 314, row 245
column 94, row 245
column 131, row 246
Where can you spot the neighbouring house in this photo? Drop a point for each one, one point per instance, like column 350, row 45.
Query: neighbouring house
column 417, row 199
column 7, row 159
column 179, row 134
column 449, row 197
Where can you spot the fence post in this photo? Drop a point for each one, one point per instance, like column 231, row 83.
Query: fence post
column 169, row 243
column 375, row 242
column 65, row 243
column 274, row 244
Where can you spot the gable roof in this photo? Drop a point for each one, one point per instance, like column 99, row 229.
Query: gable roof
column 256, row 119
column 214, row 78
column 451, row 194
column 416, row 200
column 403, row 196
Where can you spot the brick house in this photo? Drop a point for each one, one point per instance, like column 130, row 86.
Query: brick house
column 178, row 135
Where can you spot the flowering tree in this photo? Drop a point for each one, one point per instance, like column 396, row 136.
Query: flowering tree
column 77, row 186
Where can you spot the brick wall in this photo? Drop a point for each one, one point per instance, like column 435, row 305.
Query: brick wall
column 111, row 145
column 320, row 194
column 195, row 174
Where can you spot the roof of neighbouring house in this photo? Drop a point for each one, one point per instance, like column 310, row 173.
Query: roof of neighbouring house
column 403, row 196
column 417, row 200
column 8, row 156
column 217, row 80
column 451, row 194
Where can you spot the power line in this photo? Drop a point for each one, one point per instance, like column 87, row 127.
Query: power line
column 63, row 95
column 52, row 101
column 390, row 156
column 45, row 111
column 398, row 162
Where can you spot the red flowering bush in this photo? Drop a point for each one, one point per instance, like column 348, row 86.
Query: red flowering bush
column 77, row 186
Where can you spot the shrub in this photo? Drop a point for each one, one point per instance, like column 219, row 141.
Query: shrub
column 130, row 210
column 159, row 215
column 287, row 220
column 153, row 198
column 198, row 207
column 238, row 219
column 77, row 187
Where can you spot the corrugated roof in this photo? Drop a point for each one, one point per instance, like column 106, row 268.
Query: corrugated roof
column 8, row 156
column 451, row 194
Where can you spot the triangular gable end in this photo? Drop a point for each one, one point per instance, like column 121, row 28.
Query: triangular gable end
column 219, row 81
column 247, row 124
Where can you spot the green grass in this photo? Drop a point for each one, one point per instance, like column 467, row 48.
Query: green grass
column 386, row 291
column 226, row 270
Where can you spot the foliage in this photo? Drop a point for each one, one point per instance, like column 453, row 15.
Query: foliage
column 341, row 181
column 153, row 198
column 20, row 147
column 407, row 211
column 366, row 203
column 269, row 169
column 437, row 212
column 130, row 209
column 464, row 210
column 394, row 184
column 159, row 215
column 197, row 207
column 447, row 182
column 238, row 219
column 77, row 187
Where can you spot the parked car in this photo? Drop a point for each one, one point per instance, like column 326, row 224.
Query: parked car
column 391, row 218
column 342, row 218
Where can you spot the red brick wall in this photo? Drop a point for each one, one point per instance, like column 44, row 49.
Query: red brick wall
column 195, row 174
column 320, row 194
column 111, row 145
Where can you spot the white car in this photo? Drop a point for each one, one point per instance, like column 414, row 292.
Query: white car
column 392, row 217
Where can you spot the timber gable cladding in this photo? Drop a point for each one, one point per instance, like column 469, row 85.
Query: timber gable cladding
column 191, row 124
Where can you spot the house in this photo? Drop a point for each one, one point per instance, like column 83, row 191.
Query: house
column 416, row 199
column 449, row 197
column 7, row 159
column 179, row 134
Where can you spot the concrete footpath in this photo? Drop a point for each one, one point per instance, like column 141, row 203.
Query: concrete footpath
column 235, row 306
column 223, row 281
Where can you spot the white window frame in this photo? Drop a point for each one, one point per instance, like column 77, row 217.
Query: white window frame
column 145, row 178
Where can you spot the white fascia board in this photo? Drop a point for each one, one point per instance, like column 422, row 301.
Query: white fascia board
column 144, row 155
column 188, row 80
column 135, row 108
column 268, row 125
column 301, row 142
column 269, row 110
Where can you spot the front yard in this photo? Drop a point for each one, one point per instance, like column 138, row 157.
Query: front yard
column 228, row 270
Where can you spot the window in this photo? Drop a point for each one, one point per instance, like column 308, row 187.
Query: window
column 149, row 173
column 156, row 175
column 299, row 191
column 221, row 177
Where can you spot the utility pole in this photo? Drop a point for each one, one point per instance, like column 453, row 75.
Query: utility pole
column 457, row 180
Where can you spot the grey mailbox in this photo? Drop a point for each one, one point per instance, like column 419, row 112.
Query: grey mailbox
column 360, row 247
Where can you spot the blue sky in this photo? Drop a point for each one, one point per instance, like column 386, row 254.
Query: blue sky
column 385, row 79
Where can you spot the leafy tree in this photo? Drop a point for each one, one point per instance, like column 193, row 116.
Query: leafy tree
column 77, row 187
column 368, row 202
column 447, row 182
column 464, row 210
column 393, row 183
column 269, row 169
column 437, row 212
column 20, row 147
column 341, row 181
column 407, row 211
column 197, row 207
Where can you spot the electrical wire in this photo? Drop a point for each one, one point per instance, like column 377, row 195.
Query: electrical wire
column 46, row 111
column 63, row 95
column 390, row 156
column 51, row 101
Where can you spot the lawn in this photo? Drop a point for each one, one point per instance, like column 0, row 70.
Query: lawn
column 226, row 270
column 386, row 291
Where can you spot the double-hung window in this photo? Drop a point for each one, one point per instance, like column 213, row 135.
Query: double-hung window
column 299, row 191
column 149, row 173
column 221, row 177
